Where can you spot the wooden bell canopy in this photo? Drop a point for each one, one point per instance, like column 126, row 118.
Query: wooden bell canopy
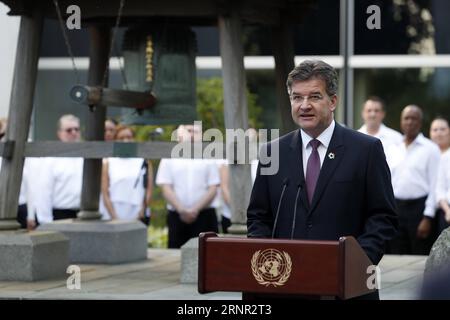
column 193, row 12
column 159, row 48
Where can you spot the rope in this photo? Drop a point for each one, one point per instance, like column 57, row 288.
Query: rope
column 113, row 38
column 66, row 40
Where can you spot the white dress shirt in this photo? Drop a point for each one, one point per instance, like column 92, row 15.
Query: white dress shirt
column 324, row 138
column 414, row 171
column 60, row 186
column 387, row 136
column 443, row 181
column 29, row 175
column 189, row 178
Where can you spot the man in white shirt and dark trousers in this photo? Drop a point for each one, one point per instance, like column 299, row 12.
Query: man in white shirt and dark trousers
column 189, row 187
column 61, row 178
column 414, row 164
column 373, row 113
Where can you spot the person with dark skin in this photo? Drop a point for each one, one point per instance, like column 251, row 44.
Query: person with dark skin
column 411, row 125
column 414, row 164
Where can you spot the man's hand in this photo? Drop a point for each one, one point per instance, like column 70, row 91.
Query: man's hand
column 447, row 215
column 31, row 225
column 141, row 214
column 424, row 229
column 188, row 215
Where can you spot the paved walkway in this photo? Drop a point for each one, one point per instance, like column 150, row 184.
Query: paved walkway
column 158, row 279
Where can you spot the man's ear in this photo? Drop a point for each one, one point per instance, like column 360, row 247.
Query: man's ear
column 334, row 101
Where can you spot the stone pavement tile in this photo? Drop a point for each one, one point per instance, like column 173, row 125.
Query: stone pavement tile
column 153, row 273
column 189, row 292
column 86, row 288
column 16, row 295
column 104, row 271
column 31, row 286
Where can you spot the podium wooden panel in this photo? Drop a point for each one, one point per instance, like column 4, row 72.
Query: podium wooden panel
column 282, row 267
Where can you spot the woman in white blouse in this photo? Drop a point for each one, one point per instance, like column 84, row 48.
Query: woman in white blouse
column 127, row 184
column 440, row 134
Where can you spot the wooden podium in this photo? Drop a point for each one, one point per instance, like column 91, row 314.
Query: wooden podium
column 275, row 267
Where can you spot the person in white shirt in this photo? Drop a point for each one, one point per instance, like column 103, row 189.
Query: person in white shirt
column 443, row 192
column 373, row 114
column 189, row 187
column 440, row 133
column 414, row 164
column 61, row 178
column 127, row 184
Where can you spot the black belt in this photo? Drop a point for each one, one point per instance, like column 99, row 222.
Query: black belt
column 410, row 202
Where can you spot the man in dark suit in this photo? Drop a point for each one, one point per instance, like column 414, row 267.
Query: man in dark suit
column 336, row 181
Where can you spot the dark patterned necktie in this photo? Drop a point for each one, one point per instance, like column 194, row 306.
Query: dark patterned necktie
column 312, row 169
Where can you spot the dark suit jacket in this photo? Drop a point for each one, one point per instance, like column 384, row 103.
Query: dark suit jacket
column 353, row 195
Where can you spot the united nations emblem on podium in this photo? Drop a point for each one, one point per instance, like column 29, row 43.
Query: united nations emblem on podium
column 271, row 267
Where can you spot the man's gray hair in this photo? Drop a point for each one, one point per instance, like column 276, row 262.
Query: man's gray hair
column 314, row 69
column 67, row 117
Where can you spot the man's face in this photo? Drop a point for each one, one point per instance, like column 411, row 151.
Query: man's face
column 194, row 133
column 69, row 131
column 110, row 130
column 311, row 107
column 411, row 122
column 373, row 113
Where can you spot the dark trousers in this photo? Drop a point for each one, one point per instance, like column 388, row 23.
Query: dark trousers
column 410, row 214
column 226, row 223
column 60, row 214
column 22, row 215
column 180, row 232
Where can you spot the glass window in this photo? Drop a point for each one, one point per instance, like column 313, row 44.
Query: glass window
column 427, row 88
column 407, row 27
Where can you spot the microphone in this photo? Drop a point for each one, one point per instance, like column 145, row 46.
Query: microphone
column 285, row 184
column 299, row 188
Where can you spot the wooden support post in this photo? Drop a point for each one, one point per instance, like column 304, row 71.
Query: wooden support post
column 283, row 52
column 100, row 40
column 236, row 114
column 20, row 109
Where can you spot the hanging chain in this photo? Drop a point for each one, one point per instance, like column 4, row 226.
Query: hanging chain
column 112, row 45
column 113, row 38
column 66, row 40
